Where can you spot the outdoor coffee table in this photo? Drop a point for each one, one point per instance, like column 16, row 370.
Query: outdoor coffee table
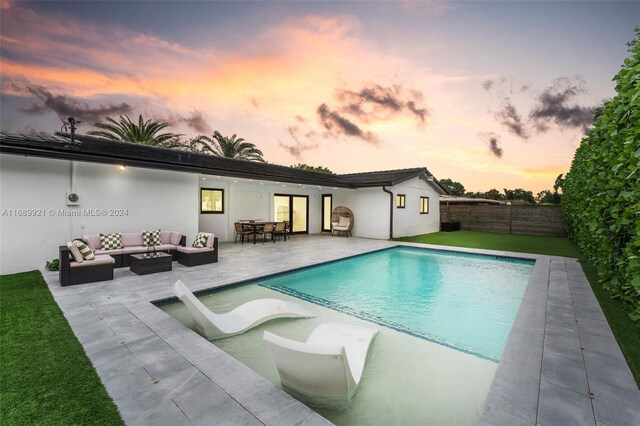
column 148, row 263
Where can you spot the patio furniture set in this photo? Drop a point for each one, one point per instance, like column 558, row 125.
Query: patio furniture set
column 247, row 228
column 94, row 257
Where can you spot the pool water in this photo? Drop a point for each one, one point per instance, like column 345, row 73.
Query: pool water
column 464, row 301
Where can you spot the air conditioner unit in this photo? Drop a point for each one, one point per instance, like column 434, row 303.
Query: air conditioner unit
column 73, row 199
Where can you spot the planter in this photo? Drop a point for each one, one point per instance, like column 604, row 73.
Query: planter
column 449, row 226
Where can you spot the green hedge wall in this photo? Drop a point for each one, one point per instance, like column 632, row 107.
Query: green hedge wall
column 601, row 201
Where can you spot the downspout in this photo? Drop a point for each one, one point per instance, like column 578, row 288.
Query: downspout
column 390, row 211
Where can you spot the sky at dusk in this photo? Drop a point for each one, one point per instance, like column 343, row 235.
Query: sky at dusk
column 492, row 94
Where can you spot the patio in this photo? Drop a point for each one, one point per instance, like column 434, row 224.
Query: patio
column 157, row 370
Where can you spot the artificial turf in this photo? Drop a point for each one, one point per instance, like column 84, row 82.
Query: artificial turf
column 553, row 246
column 627, row 333
column 45, row 376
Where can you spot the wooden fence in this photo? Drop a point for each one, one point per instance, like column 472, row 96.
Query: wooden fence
column 534, row 220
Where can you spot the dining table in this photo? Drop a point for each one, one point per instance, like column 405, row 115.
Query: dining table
column 255, row 226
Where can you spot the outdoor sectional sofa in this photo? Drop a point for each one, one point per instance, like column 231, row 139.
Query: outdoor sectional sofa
column 132, row 243
column 101, row 269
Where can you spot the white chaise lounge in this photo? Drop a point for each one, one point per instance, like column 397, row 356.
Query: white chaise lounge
column 246, row 316
column 325, row 370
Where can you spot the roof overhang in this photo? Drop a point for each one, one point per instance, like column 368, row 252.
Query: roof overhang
column 97, row 150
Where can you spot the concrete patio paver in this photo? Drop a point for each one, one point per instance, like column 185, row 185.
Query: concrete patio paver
column 160, row 372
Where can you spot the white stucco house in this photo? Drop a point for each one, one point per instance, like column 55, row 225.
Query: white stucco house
column 125, row 187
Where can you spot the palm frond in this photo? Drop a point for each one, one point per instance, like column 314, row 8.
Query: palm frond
column 144, row 132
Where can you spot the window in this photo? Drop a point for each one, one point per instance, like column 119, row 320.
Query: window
column 211, row 201
column 424, row 205
column 400, row 201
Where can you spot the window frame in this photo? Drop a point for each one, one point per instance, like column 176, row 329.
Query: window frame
column 221, row 190
column 422, row 198
column 402, row 197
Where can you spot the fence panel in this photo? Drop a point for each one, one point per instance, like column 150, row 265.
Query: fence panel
column 534, row 220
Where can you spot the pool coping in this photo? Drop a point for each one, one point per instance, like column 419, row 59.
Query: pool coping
column 536, row 382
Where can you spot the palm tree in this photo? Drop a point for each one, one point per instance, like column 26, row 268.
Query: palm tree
column 145, row 132
column 230, row 147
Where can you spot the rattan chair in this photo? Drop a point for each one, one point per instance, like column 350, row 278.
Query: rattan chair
column 242, row 232
column 280, row 230
column 341, row 220
column 265, row 230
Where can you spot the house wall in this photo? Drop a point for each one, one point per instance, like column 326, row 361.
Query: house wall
column 370, row 208
column 409, row 221
column 245, row 200
column 147, row 199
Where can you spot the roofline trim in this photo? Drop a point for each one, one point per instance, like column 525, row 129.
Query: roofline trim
column 58, row 147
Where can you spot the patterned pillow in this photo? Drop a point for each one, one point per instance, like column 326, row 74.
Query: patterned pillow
column 151, row 238
column 77, row 256
column 200, row 241
column 85, row 251
column 110, row 241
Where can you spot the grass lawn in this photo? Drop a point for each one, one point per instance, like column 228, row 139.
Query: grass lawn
column 45, row 376
column 626, row 332
column 553, row 246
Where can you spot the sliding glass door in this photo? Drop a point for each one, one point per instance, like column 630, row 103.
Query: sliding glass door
column 294, row 209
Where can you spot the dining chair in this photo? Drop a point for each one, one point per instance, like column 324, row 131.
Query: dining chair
column 264, row 230
column 241, row 231
column 280, row 230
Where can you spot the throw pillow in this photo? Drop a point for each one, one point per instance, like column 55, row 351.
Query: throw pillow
column 110, row 241
column 151, row 238
column 344, row 221
column 210, row 238
column 175, row 238
column 77, row 256
column 200, row 241
column 87, row 253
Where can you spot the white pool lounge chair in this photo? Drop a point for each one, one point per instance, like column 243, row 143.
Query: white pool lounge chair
column 325, row 370
column 246, row 316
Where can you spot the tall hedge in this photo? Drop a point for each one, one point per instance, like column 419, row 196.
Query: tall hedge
column 601, row 202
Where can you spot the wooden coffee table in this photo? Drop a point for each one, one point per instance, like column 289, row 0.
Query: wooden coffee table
column 148, row 263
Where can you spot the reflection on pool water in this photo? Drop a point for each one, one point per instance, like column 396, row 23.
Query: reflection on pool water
column 443, row 320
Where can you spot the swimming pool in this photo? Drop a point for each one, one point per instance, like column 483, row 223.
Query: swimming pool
column 430, row 362
column 464, row 301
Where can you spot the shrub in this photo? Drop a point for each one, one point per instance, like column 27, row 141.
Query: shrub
column 601, row 202
column 53, row 265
